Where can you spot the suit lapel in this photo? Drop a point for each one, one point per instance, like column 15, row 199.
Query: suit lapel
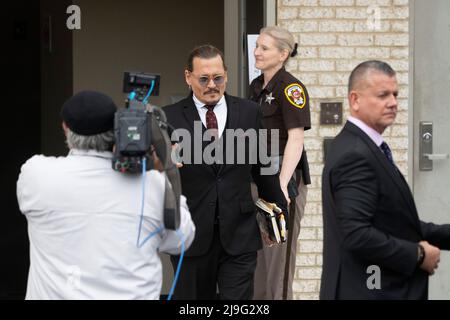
column 232, row 123
column 190, row 112
column 232, row 112
column 396, row 177
column 191, row 115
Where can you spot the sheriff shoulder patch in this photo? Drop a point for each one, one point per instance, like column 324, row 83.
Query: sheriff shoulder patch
column 295, row 95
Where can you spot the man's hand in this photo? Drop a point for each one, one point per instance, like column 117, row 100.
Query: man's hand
column 175, row 155
column 432, row 257
column 157, row 165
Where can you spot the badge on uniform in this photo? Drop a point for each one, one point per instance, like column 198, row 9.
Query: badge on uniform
column 269, row 98
column 295, row 95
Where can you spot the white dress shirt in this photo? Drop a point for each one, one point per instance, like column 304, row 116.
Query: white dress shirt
column 374, row 135
column 83, row 221
column 220, row 111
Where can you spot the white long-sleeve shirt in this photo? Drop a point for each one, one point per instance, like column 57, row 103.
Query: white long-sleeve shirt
column 83, row 222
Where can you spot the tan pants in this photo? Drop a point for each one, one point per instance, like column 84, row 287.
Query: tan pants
column 271, row 281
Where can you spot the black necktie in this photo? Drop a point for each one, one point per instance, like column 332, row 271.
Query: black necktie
column 387, row 151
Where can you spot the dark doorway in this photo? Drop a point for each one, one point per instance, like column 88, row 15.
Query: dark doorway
column 20, row 130
column 39, row 57
column 254, row 16
column 38, row 80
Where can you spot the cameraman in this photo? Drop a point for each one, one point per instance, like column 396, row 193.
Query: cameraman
column 83, row 217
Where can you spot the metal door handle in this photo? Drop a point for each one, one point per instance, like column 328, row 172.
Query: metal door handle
column 436, row 156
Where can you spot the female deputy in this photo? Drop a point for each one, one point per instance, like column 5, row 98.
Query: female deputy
column 284, row 104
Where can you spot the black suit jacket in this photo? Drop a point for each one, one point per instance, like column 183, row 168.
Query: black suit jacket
column 370, row 219
column 223, row 190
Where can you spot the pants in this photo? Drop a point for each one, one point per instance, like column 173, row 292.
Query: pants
column 201, row 277
column 274, row 275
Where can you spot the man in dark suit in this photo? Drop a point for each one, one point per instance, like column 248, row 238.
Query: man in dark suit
column 223, row 254
column 375, row 246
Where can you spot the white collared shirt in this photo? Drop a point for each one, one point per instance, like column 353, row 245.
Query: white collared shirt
column 374, row 135
column 220, row 111
column 83, row 221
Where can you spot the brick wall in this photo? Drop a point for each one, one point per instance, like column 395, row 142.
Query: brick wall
column 334, row 36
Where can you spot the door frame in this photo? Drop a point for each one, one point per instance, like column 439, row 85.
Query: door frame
column 234, row 28
column 411, row 120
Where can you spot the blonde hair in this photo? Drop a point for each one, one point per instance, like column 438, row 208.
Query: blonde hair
column 284, row 39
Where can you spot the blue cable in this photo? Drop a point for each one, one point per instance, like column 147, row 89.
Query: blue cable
column 180, row 261
column 161, row 228
column 149, row 92
column 144, row 164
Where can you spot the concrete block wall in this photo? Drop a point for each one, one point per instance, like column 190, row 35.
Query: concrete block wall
column 333, row 37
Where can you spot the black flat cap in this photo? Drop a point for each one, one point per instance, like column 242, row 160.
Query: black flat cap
column 89, row 113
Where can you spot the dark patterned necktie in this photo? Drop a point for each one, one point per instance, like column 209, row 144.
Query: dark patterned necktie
column 211, row 120
column 211, row 124
column 387, row 151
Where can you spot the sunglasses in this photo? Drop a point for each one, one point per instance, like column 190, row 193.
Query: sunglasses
column 204, row 81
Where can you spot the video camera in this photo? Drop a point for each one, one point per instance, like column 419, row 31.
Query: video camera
column 132, row 125
column 140, row 129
